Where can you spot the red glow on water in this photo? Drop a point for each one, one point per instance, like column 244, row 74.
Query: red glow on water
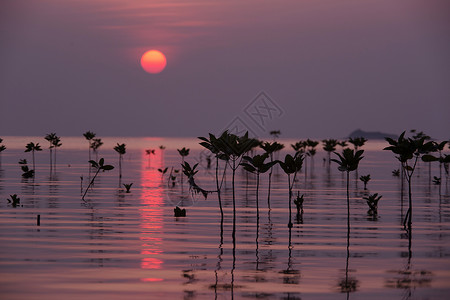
column 151, row 212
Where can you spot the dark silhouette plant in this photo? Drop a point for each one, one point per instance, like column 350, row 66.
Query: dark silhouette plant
column 183, row 152
column 372, row 202
column 163, row 171
column 89, row 135
column 357, row 142
column 396, row 173
column 95, row 145
column 56, row 142
column 14, row 200
column 121, row 149
column 2, row 148
column 32, row 147
column 442, row 159
column 98, row 166
column 149, row 153
column 408, row 151
column 270, row 149
column 365, row 179
column 50, row 137
column 275, row 134
column 178, row 212
column 27, row 173
column 127, row 187
column 291, row 166
column 298, row 201
column 213, row 144
column 348, row 162
column 190, row 172
column 257, row 165
column 329, row 146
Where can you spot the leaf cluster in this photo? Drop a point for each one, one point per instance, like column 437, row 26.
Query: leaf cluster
column 100, row 165
column 120, row 148
column 256, row 164
column 292, row 164
column 349, row 160
column 33, row 147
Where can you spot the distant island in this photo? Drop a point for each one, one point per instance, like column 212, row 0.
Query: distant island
column 371, row 135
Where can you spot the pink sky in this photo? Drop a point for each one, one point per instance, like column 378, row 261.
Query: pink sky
column 329, row 66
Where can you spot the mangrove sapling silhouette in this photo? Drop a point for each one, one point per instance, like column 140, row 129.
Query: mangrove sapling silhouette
column 342, row 143
column 56, row 142
column 372, row 202
column 270, row 149
column 98, row 166
column 291, row 165
column 127, row 187
column 406, row 150
column 396, row 173
column 183, row 152
column 121, row 149
column 311, row 151
column 149, row 152
column 213, row 144
column 442, row 159
column 233, row 148
column 365, row 179
column 257, row 166
column 436, row 180
column 27, row 173
column 14, row 200
column 95, row 145
column 329, row 146
column 163, row 171
column 178, row 212
column 89, row 135
column 190, row 172
column 50, row 137
column 348, row 162
column 357, row 142
column 2, row 148
column 32, row 147
column 299, row 204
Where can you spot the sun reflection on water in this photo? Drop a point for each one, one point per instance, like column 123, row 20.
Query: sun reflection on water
column 151, row 213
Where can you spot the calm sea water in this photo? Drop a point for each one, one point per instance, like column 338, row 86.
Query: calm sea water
column 117, row 245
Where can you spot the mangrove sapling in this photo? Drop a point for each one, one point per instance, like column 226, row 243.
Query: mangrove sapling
column 2, row 148
column 291, row 165
column 163, row 171
column 436, row 180
column 299, row 204
column 32, row 147
column 127, row 187
column 149, row 152
column 178, row 212
column 233, row 148
column 98, row 166
column 372, row 202
column 213, row 144
column 357, row 142
column 89, row 135
column 407, row 149
column 257, row 165
column 183, row 152
column 365, row 179
column 14, row 200
column 396, row 173
column 27, row 173
column 329, row 146
column 56, row 142
column 270, row 149
column 50, row 137
column 193, row 187
column 121, row 149
column 96, row 144
column 342, row 143
column 348, row 162
column 442, row 159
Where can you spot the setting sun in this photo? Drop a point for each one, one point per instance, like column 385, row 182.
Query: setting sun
column 153, row 61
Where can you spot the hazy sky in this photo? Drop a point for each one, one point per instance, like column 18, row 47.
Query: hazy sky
column 327, row 67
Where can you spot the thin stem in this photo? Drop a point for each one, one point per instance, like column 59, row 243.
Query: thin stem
column 91, row 183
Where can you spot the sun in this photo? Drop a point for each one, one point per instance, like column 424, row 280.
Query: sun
column 153, row 61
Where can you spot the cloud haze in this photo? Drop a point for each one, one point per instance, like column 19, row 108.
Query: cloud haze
column 72, row 66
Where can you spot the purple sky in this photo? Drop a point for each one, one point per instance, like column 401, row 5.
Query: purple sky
column 328, row 66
